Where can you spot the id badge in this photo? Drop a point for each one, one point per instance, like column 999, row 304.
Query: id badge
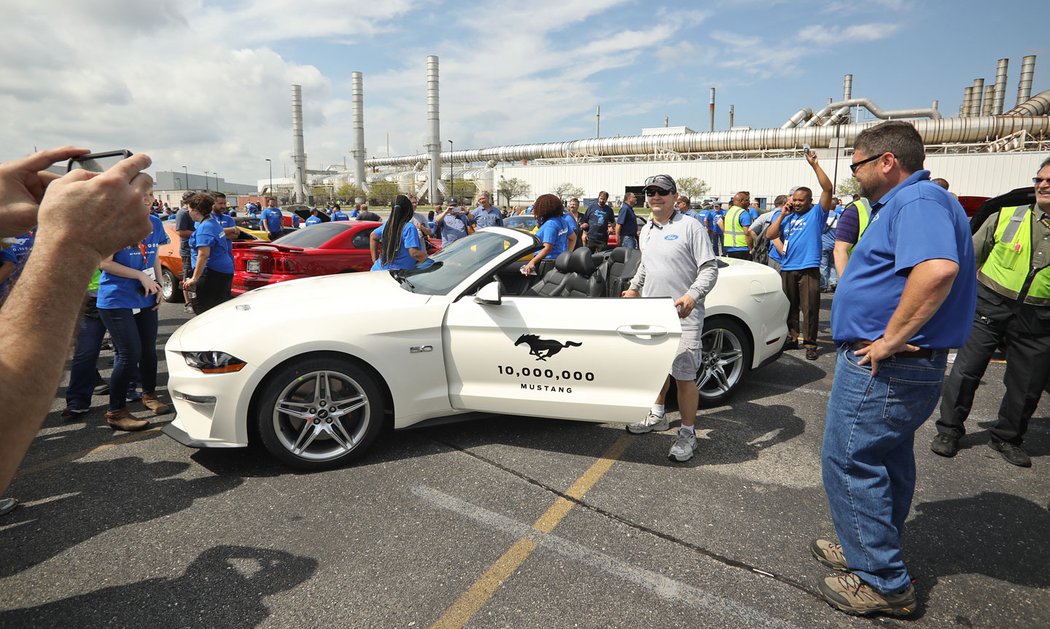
column 151, row 272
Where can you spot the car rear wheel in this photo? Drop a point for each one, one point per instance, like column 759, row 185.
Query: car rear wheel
column 169, row 287
column 726, row 360
column 319, row 413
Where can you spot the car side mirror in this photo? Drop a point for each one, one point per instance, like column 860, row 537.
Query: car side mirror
column 489, row 294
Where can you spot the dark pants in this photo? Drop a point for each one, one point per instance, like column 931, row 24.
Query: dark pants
column 739, row 255
column 83, row 371
column 1027, row 371
column 135, row 343
column 212, row 289
column 597, row 246
column 802, row 288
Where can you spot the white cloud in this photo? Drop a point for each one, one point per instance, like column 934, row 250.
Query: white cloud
column 826, row 35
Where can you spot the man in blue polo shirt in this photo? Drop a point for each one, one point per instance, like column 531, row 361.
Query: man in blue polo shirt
column 272, row 220
column 799, row 227
column 627, row 223
column 337, row 214
column 486, row 214
column 908, row 295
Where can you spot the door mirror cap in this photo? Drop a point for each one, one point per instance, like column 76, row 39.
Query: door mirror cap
column 489, row 294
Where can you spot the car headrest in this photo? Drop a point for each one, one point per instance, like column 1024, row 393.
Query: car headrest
column 562, row 262
column 619, row 254
column 581, row 261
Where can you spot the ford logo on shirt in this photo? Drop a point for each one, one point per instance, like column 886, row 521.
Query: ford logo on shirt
column 671, row 237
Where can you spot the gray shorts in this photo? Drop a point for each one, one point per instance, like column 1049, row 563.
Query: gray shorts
column 687, row 360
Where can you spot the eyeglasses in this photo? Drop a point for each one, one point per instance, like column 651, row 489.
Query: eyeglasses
column 1039, row 180
column 652, row 192
column 853, row 167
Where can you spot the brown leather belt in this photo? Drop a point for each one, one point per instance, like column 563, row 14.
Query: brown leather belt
column 922, row 352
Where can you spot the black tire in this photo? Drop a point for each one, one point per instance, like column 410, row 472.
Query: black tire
column 727, row 356
column 169, row 287
column 319, row 439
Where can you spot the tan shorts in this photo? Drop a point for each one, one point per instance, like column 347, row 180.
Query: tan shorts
column 687, row 360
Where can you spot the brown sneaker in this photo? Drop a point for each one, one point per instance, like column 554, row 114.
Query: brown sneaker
column 829, row 554
column 848, row 593
column 150, row 401
column 122, row 420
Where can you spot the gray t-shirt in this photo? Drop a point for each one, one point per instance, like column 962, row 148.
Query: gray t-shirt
column 677, row 259
column 183, row 222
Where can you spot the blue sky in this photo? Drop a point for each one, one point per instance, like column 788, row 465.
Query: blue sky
column 206, row 84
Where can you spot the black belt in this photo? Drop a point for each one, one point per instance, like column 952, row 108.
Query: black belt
column 922, row 352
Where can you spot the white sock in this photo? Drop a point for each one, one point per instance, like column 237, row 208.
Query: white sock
column 691, row 429
column 658, row 410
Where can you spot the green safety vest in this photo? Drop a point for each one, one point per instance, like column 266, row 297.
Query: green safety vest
column 733, row 235
column 863, row 218
column 1008, row 269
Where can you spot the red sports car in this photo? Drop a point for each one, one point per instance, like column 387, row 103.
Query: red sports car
column 322, row 249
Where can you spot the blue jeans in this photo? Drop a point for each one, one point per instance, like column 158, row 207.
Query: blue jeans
column 868, row 460
column 135, row 344
column 827, row 269
column 83, row 371
column 630, row 242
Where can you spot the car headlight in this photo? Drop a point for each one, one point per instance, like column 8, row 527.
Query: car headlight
column 213, row 362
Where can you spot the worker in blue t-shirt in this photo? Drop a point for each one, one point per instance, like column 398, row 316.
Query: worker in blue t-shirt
column 397, row 243
column 557, row 232
column 212, row 276
column 337, row 214
column 272, row 219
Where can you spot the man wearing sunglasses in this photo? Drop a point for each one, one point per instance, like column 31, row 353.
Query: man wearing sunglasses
column 800, row 228
column 907, row 297
column 1013, row 309
column 677, row 262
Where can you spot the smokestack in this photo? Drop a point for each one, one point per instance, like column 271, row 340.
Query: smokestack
column 975, row 97
column 1000, row 87
column 1024, row 86
column 434, row 137
column 847, row 93
column 964, row 109
column 935, row 104
column 989, row 100
column 731, row 116
column 298, row 151
column 358, row 115
column 712, row 109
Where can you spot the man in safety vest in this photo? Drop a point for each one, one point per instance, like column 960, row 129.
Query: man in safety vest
column 1013, row 309
column 851, row 225
column 737, row 239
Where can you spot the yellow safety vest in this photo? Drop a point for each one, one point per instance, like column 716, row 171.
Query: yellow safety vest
column 863, row 218
column 1008, row 267
column 733, row 235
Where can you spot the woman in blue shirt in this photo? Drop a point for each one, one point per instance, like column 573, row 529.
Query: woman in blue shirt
column 128, row 299
column 396, row 244
column 213, row 270
column 557, row 231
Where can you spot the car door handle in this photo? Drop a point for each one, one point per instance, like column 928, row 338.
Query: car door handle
column 642, row 331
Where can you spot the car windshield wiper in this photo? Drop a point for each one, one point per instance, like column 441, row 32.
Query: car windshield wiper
column 399, row 275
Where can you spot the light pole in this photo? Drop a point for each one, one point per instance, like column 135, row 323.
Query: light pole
column 206, row 180
column 451, row 177
column 270, row 164
column 185, row 172
column 216, row 180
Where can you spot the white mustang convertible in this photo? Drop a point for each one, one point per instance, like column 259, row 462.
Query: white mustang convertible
column 314, row 368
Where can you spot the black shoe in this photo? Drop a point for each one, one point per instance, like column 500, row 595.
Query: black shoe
column 811, row 352
column 791, row 344
column 945, row 445
column 1014, row 455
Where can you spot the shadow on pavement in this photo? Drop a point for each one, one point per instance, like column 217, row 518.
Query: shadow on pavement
column 223, row 587
column 111, row 494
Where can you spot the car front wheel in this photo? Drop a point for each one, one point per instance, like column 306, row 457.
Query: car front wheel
column 319, row 413
column 725, row 361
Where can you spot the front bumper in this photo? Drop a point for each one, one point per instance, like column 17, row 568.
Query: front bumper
column 183, row 437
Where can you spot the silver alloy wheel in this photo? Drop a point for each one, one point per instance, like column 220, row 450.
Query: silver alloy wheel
column 169, row 286
column 321, row 415
column 722, row 364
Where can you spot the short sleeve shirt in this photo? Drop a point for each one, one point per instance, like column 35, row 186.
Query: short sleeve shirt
column 183, row 222
column 673, row 254
column 598, row 219
column 555, row 231
column 123, row 292
column 403, row 259
column 802, row 234
column 220, row 255
column 627, row 222
column 487, row 218
column 272, row 219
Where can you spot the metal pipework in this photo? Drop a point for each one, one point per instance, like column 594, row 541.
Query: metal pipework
column 847, row 94
column 434, row 136
column 1024, row 86
column 964, row 108
column 1038, row 105
column 933, row 131
column 977, row 94
column 1000, row 86
column 801, row 115
column 298, row 149
column 731, row 113
column 875, row 110
column 712, row 109
column 988, row 104
column 357, row 152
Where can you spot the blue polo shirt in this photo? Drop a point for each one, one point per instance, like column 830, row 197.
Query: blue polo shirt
column 403, row 259
column 338, row 215
column 487, row 218
column 915, row 222
column 124, row 292
column 220, row 256
column 272, row 220
column 555, row 231
column 802, row 234
column 628, row 224
column 712, row 220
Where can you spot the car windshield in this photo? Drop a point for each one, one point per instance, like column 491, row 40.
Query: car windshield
column 455, row 262
column 520, row 222
column 313, row 236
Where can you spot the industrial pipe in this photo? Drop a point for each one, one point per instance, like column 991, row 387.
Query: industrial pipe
column 1000, row 87
column 1024, row 86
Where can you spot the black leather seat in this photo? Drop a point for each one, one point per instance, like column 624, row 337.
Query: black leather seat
column 583, row 280
column 553, row 282
column 622, row 265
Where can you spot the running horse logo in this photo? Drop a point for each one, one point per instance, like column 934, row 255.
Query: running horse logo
column 543, row 349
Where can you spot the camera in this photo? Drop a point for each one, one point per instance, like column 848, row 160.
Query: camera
column 97, row 162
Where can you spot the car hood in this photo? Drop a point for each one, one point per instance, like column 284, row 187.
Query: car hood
column 313, row 302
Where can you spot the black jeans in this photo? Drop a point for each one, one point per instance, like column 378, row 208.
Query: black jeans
column 212, row 289
column 1027, row 371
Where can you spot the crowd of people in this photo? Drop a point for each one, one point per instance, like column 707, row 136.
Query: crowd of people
column 910, row 284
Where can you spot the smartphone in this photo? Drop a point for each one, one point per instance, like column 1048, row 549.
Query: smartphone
column 97, row 162
column 806, row 149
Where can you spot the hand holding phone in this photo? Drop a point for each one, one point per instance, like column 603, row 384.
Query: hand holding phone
column 97, row 162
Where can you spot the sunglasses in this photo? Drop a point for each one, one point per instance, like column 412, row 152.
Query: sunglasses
column 853, row 167
column 1039, row 180
column 652, row 192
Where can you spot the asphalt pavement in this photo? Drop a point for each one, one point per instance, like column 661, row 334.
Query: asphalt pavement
column 509, row 522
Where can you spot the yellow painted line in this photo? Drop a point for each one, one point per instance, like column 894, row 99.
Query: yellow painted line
column 73, row 456
column 471, row 601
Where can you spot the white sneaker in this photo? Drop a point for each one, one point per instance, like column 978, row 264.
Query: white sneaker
column 649, row 424
column 684, row 446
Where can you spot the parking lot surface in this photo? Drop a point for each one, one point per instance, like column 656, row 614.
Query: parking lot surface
column 509, row 522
